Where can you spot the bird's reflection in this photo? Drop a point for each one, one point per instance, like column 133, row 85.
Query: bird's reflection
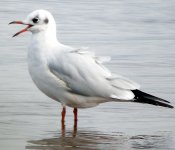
column 81, row 139
column 90, row 140
column 63, row 129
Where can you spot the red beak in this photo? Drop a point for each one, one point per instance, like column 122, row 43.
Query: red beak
column 24, row 30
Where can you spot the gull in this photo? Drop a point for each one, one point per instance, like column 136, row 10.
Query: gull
column 74, row 77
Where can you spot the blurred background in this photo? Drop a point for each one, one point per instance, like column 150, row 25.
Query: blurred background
column 139, row 35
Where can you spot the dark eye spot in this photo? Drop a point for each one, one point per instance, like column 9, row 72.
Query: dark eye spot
column 46, row 20
column 35, row 20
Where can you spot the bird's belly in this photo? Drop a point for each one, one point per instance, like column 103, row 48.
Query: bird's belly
column 56, row 90
column 44, row 80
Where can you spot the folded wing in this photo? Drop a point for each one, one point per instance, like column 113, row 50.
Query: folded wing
column 85, row 74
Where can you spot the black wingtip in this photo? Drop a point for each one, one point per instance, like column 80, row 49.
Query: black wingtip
column 170, row 106
column 156, row 103
column 141, row 97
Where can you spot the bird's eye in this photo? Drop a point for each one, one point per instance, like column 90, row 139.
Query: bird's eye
column 35, row 20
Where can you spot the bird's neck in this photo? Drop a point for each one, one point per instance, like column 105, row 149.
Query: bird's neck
column 44, row 38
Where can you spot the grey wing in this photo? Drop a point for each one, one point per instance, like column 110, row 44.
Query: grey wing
column 84, row 74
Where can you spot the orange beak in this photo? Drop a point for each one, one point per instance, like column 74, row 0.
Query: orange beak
column 24, row 30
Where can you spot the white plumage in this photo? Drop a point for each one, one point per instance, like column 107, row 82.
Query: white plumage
column 74, row 77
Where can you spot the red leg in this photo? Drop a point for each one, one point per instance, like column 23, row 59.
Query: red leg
column 75, row 114
column 63, row 114
column 75, row 121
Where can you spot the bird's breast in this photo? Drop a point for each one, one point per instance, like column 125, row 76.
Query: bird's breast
column 41, row 75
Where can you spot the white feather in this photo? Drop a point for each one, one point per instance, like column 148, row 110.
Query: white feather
column 74, row 77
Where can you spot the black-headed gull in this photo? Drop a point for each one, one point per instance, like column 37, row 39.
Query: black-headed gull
column 74, row 77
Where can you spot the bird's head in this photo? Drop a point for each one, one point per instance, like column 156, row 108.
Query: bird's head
column 37, row 21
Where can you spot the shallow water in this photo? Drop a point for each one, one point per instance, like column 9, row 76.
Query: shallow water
column 140, row 37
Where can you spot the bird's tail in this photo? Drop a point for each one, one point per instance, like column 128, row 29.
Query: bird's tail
column 141, row 97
